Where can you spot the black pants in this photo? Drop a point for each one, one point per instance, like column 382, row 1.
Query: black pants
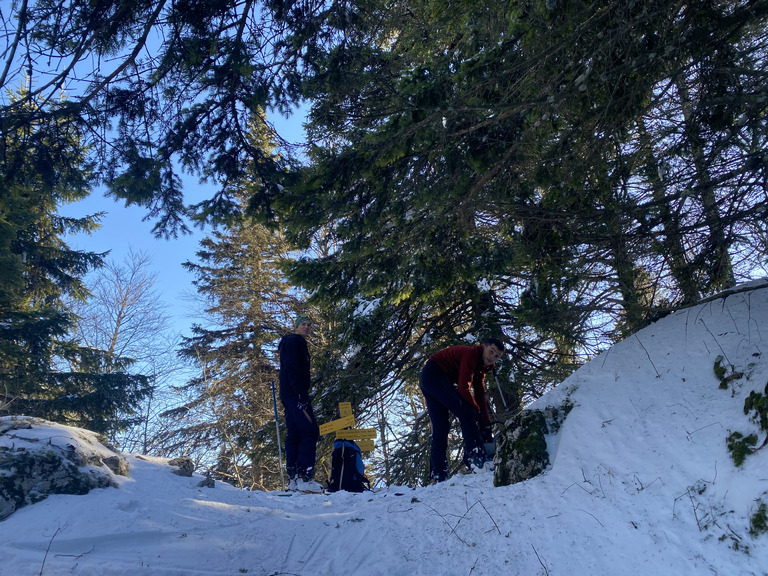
column 443, row 399
column 301, row 440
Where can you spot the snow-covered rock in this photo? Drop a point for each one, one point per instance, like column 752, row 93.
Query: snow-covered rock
column 39, row 458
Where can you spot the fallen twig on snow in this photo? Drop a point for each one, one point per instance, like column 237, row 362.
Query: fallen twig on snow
column 546, row 571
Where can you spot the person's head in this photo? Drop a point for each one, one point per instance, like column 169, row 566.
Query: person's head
column 301, row 325
column 493, row 349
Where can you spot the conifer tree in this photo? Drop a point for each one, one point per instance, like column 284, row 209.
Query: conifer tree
column 158, row 87
column 559, row 172
column 227, row 422
column 230, row 410
column 43, row 372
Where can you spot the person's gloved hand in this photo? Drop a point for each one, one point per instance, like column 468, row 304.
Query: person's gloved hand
column 303, row 405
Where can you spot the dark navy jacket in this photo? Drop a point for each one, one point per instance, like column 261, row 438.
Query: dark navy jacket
column 294, row 368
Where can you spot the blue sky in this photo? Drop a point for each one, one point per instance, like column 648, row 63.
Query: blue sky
column 123, row 230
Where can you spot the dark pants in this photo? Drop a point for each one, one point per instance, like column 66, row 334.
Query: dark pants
column 443, row 399
column 301, row 440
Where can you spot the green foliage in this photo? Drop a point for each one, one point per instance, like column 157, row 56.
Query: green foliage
column 42, row 371
column 758, row 522
column 758, row 403
column 740, row 446
column 556, row 173
column 720, row 371
column 726, row 373
column 447, row 134
column 213, row 66
column 518, row 170
column 228, row 405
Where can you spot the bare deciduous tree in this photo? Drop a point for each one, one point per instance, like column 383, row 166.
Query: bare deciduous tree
column 126, row 317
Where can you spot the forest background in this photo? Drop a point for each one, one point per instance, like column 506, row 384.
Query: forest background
column 555, row 173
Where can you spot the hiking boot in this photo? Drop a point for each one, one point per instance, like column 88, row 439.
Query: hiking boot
column 441, row 475
column 480, row 465
column 308, row 486
column 437, row 478
column 487, row 466
column 477, row 462
column 474, row 458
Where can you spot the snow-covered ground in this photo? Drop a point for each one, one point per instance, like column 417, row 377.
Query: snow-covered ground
column 641, row 483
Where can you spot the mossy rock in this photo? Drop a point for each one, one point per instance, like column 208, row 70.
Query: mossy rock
column 27, row 477
column 521, row 451
column 31, row 469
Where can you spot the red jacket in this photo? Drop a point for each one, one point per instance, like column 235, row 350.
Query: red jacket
column 464, row 366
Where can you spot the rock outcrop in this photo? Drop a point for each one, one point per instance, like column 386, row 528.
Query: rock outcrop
column 36, row 462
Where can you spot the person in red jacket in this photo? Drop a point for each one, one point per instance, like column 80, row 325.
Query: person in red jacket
column 453, row 381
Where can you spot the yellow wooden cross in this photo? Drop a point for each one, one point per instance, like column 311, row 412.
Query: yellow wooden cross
column 335, row 425
column 344, row 428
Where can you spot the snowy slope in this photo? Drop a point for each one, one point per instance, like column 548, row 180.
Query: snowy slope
column 641, row 482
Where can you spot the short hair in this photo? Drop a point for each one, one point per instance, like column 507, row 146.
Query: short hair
column 495, row 342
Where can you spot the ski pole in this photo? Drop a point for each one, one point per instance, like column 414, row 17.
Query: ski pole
column 503, row 399
column 277, row 428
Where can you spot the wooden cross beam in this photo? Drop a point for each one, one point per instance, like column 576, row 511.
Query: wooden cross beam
column 344, row 428
column 334, row 425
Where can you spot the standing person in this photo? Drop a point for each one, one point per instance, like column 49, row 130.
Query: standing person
column 303, row 431
column 453, row 381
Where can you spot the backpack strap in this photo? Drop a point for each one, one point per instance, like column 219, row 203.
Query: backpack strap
column 341, row 473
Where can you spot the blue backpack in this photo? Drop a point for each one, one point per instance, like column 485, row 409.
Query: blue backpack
column 347, row 470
